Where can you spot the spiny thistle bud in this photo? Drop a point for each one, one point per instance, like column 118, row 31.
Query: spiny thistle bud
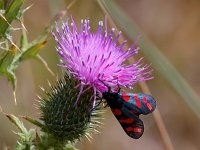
column 66, row 118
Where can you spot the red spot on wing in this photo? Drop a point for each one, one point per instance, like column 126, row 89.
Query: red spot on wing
column 133, row 111
column 131, row 129
column 125, row 96
column 148, row 105
column 138, row 104
column 128, row 121
column 137, row 130
column 145, row 99
column 116, row 112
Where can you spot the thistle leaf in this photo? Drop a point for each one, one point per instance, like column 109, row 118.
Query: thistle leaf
column 33, row 121
column 9, row 16
column 23, row 40
column 69, row 146
column 32, row 51
column 11, row 77
column 26, row 138
column 6, row 64
column 7, row 59
column 17, row 123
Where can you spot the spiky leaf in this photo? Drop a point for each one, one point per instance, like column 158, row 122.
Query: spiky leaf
column 26, row 137
column 9, row 15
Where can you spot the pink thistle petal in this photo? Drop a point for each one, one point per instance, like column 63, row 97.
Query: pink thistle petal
column 95, row 57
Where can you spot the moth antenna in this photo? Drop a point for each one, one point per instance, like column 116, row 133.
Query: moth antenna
column 109, row 88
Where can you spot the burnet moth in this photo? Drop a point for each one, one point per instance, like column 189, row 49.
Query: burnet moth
column 127, row 107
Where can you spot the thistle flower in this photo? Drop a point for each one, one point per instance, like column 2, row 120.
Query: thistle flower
column 96, row 57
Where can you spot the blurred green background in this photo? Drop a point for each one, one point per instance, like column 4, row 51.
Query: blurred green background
column 173, row 26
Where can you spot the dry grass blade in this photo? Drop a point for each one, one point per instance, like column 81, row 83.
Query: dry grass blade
column 159, row 61
column 71, row 4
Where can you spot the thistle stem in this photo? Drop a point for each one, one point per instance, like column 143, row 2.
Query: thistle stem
column 156, row 114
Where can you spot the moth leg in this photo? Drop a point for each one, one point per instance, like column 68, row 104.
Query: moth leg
column 101, row 100
column 119, row 89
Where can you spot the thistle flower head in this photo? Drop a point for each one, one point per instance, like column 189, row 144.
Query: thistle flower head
column 95, row 58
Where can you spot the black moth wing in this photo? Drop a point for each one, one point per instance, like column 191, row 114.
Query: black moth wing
column 130, row 122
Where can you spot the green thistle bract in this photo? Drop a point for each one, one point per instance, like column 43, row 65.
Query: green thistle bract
column 64, row 120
